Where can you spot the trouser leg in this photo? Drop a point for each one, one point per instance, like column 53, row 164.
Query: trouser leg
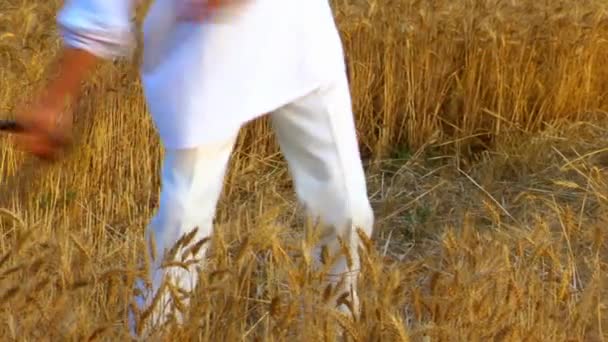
column 191, row 183
column 318, row 138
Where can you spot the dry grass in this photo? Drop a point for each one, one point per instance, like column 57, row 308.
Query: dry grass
column 483, row 123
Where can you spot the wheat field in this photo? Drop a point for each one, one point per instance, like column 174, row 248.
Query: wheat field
column 483, row 127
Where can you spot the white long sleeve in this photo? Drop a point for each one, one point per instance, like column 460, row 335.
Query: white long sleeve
column 101, row 27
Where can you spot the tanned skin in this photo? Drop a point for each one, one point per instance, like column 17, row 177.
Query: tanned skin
column 47, row 128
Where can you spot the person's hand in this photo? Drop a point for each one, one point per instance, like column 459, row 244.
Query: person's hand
column 47, row 129
column 46, row 125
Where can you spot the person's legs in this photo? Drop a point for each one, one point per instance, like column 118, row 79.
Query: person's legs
column 192, row 181
column 317, row 135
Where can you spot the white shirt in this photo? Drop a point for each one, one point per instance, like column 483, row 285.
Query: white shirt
column 204, row 80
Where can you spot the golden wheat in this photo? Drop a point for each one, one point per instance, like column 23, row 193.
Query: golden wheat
column 483, row 126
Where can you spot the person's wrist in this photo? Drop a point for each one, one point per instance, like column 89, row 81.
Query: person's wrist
column 54, row 99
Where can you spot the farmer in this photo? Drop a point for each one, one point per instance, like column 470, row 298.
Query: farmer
column 209, row 68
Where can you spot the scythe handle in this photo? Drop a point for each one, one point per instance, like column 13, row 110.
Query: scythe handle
column 10, row 126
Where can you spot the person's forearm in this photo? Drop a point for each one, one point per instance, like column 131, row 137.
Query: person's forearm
column 73, row 67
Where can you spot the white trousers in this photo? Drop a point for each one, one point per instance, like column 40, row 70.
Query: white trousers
column 317, row 136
